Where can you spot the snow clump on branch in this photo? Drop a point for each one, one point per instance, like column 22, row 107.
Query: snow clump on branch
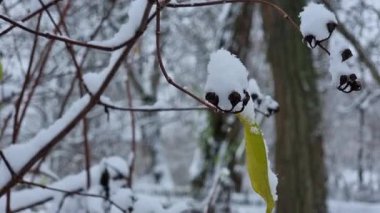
column 264, row 104
column 317, row 24
column 227, row 82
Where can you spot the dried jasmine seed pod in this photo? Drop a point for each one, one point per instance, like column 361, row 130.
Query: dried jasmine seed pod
column 254, row 96
column 346, row 54
column 104, row 182
column 310, row 39
column 104, row 178
column 356, row 86
column 353, row 77
column 246, row 98
column 212, row 98
column 331, row 27
column 343, row 79
column 234, row 98
column 259, row 101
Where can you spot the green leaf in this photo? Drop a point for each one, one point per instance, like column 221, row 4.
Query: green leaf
column 257, row 162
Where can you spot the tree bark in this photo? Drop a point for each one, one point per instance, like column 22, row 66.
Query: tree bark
column 299, row 145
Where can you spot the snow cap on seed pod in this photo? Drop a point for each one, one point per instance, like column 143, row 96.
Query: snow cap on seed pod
column 262, row 103
column 227, row 82
column 254, row 90
column 317, row 24
column 270, row 106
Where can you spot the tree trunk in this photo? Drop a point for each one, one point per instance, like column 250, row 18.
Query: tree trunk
column 299, row 146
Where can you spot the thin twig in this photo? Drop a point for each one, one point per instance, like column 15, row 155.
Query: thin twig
column 154, row 109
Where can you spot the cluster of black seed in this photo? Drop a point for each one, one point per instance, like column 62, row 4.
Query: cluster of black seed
column 313, row 42
column 269, row 110
column 348, row 81
column 234, row 98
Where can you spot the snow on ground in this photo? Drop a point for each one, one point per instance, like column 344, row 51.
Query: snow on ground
column 353, row 207
column 23, row 198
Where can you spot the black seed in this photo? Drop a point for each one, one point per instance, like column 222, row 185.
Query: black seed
column 331, row 27
column 234, row 98
column 246, row 98
column 356, row 86
column 309, row 39
column 346, row 54
column 254, row 96
column 104, row 178
column 259, row 101
column 353, row 77
column 212, row 98
column 343, row 79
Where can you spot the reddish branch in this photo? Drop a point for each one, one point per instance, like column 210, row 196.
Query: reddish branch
column 153, row 109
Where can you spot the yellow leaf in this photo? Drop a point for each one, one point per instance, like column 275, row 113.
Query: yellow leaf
column 257, row 162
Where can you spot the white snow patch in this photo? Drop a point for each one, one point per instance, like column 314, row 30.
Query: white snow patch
column 94, row 80
column 314, row 19
column 123, row 198
column 148, row 204
column 253, row 88
column 249, row 111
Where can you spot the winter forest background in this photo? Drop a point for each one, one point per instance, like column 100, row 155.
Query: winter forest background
column 140, row 144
